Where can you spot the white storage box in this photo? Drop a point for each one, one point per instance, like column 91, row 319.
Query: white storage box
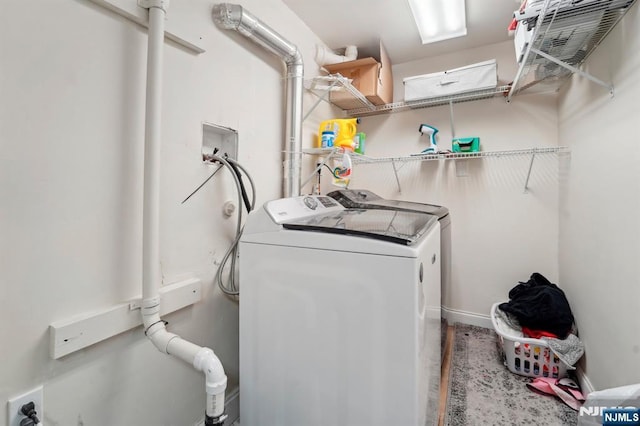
column 470, row 78
column 526, row 356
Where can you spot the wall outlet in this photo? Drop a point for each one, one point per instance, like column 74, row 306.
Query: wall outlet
column 222, row 139
column 14, row 415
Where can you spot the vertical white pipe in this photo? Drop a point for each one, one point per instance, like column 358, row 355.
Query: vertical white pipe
column 202, row 359
column 293, row 130
column 151, row 207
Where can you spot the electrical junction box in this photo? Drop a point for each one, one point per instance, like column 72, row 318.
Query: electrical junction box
column 223, row 138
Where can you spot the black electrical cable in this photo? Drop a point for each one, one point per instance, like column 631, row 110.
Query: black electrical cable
column 231, row 254
column 333, row 173
column 251, row 184
column 245, row 197
column 236, row 170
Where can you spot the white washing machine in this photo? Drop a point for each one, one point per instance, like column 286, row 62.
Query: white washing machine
column 339, row 315
column 364, row 199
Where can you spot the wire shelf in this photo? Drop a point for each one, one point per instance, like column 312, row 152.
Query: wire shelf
column 430, row 102
column 563, row 35
column 398, row 162
column 363, row 159
column 322, row 86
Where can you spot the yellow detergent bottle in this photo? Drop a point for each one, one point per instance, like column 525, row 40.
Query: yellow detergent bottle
column 344, row 130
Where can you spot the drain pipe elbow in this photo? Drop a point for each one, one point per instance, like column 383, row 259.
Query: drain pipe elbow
column 216, row 380
column 202, row 359
column 324, row 56
column 215, row 384
column 235, row 17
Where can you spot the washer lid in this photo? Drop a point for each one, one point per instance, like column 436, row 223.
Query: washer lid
column 363, row 199
column 401, row 227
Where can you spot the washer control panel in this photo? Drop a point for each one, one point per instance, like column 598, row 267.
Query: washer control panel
column 287, row 209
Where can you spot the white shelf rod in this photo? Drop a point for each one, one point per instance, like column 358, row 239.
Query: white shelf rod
column 453, row 130
column 324, row 97
column 573, row 69
column 395, row 172
column 526, row 182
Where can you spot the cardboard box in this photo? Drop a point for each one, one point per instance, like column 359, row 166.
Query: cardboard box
column 371, row 76
column 480, row 76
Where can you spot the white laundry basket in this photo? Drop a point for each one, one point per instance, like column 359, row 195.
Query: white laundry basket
column 526, row 356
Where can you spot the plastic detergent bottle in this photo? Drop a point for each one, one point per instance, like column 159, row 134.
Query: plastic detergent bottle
column 344, row 129
column 342, row 169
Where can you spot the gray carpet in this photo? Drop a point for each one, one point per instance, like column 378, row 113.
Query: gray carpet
column 482, row 391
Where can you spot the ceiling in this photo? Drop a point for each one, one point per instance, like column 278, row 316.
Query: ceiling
column 363, row 22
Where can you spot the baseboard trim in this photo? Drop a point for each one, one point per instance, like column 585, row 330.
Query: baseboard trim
column 231, row 408
column 585, row 384
column 453, row 316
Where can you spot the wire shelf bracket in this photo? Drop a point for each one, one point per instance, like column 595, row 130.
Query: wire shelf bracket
column 573, row 69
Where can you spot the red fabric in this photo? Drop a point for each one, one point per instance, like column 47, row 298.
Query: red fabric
column 536, row 334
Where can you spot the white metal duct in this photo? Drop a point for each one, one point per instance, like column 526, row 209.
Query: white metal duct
column 235, row 17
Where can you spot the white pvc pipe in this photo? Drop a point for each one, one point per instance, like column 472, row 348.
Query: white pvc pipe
column 202, row 359
column 325, row 56
column 152, row 138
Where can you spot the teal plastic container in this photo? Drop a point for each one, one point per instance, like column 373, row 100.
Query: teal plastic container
column 466, row 145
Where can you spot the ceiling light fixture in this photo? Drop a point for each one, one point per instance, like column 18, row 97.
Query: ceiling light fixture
column 439, row 20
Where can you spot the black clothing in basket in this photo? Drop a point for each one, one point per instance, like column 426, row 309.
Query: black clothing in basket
column 540, row 305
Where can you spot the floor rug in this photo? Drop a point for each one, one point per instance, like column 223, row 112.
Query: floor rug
column 482, row 391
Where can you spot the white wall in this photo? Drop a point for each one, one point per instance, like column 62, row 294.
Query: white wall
column 71, row 125
column 71, row 121
column 500, row 235
column 600, row 232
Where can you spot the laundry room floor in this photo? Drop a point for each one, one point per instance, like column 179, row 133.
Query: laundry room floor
column 477, row 389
